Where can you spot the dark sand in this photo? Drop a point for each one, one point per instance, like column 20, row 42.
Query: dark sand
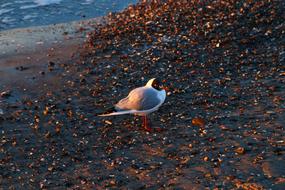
column 223, row 119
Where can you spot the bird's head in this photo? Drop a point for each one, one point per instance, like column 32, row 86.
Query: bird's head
column 156, row 84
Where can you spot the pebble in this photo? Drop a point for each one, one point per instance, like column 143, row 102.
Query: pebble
column 198, row 122
column 5, row 94
column 274, row 168
column 108, row 122
column 240, row 150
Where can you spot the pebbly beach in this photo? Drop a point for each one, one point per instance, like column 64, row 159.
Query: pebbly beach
column 223, row 63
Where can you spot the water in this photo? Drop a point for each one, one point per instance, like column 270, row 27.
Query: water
column 25, row 13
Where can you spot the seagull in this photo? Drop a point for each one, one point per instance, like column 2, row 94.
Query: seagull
column 141, row 101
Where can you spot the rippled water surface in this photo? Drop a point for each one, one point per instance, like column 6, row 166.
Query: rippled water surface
column 24, row 13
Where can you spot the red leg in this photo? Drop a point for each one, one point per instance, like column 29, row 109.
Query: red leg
column 145, row 124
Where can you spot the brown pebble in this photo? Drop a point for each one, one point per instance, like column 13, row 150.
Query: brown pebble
column 240, row 150
column 206, row 158
column 108, row 122
column 198, row 122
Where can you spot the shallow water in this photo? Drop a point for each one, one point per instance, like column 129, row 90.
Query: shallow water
column 25, row 13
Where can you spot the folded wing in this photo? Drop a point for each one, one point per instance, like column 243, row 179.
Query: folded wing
column 143, row 98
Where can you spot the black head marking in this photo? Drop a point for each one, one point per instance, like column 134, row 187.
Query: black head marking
column 155, row 84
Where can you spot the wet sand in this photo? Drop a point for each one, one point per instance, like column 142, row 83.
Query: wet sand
column 31, row 49
column 223, row 119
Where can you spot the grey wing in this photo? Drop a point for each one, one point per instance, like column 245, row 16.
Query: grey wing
column 150, row 101
column 139, row 99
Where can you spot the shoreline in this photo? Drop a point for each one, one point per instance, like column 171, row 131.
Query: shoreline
column 27, row 40
column 25, row 52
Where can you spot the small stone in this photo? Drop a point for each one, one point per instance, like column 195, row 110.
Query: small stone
column 223, row 127
column 5, row 94
column 36, row 126
column 14, row 143
column 83, row 181
column 112, row 182
column 185, row 160
column 45, row 112
column 230, row 177
column 206, row 158
column 208, row 175
column 108, row 122
column 240, row 150
column 198, row 122
column 57, row 129
column 51, row 64
column 83, row 81
column 47, row 135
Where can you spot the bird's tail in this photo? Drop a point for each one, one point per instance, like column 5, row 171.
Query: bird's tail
column 114, row 112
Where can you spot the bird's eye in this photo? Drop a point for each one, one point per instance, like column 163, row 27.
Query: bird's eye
column 155, row 85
